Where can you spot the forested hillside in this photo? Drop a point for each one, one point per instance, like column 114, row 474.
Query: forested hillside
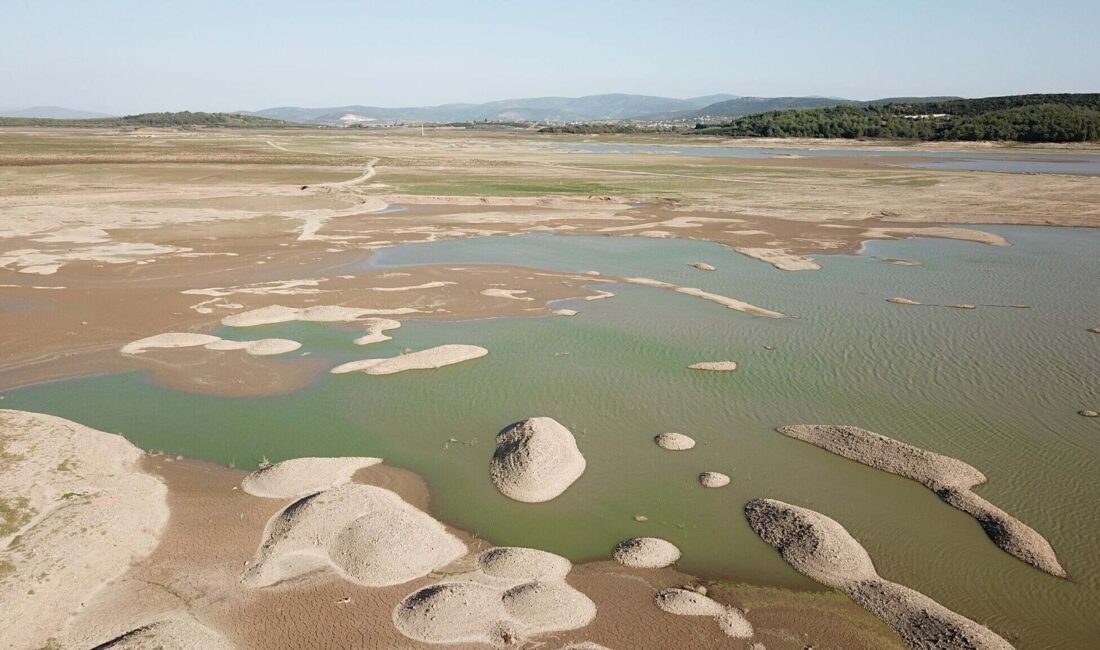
column 1022, row 118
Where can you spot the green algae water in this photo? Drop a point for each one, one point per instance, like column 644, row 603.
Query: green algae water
column 997, row 387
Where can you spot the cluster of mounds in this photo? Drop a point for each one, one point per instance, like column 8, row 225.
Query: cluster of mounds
column 273, row 314
column 376, row 328
column 368, row 534
column 951, row 479
column 674, row 441
column 76, row 510
column 513, row 595
column 715, row 366
column 262, row 347
column 822, row 550
column 535, row 460
column 714, row 479
column 177, row 633
column 437, row 357
column 646, row 553
column 687, row 602
column 300, row 477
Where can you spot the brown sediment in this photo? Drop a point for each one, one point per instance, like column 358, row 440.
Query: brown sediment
column 821, row 549
column 79, row 330
column 951, row 479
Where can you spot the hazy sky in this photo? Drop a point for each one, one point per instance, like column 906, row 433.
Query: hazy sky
column 124, row 56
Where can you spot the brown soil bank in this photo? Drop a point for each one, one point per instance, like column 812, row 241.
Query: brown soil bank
column 822, row 549
column 950, row 478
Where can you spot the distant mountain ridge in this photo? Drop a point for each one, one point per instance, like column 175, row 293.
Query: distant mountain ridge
column 51, row 113
column 616, row 106
column 180, row 119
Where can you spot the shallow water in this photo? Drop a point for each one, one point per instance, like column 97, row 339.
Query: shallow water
column 997, row 387
column 983, row 161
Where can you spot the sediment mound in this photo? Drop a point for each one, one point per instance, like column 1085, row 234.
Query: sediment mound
column 178, row 633
column 822, row 549
column 535, row 460
column 376, row 328
column 674, row 441
column 517, row 563
column 715, row 366
column 261, row 347
column 368, row 534
column 549, row 606
column 703, row 266
column 780, row 258
column 951, row 479
column 516, row 594
column 455, row 612
column 82, row 510
column 1088, row 413
column 897, row 300
column 511, row 294
column 714, row 479
column 734, row 624
column 646, row 553
column 900, row 262
column 685, row 602
column 301, row 476
column 437, row 357
column 725, row 301
column 169, row 340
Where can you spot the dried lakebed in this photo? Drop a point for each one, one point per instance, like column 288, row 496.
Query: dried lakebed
column 616, row 375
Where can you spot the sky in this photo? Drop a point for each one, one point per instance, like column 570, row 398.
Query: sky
column 129, row 56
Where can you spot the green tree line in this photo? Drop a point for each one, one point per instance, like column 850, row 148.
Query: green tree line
column 1023, row 118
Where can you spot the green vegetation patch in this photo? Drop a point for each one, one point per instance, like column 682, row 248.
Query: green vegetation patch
column 1019, row 118
column 14, row 514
